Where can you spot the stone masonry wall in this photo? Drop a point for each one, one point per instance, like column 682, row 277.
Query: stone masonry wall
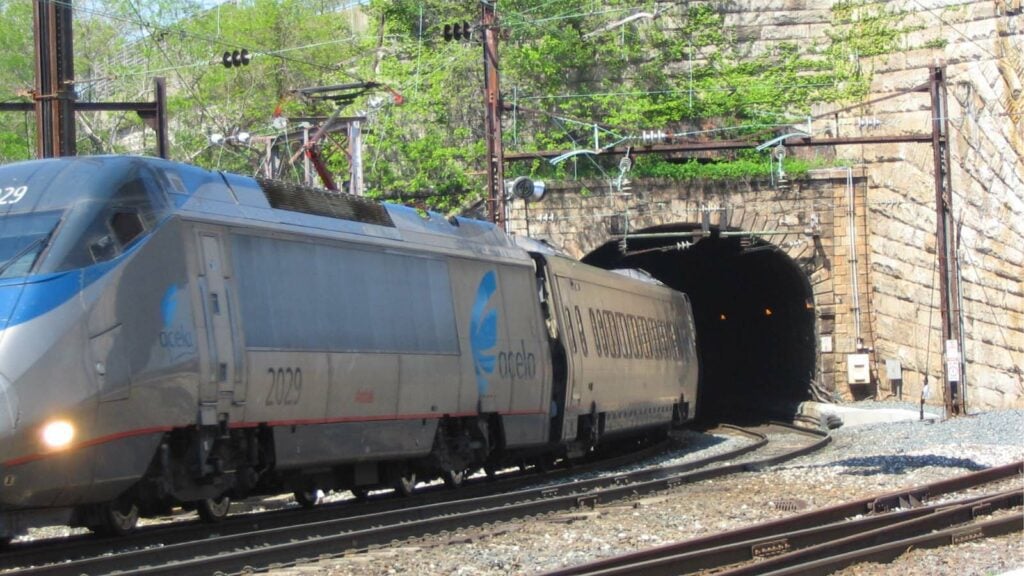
column 981, row 43
column 984, row 69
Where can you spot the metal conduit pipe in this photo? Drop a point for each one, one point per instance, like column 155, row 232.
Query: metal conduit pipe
column 851, row 218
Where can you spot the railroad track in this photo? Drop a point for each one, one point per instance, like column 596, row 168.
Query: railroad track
column 826, row 540
column 67, row 549
column 263, row 542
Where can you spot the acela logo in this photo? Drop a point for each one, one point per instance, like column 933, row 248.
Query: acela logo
column 483, row 330
column 175, row 336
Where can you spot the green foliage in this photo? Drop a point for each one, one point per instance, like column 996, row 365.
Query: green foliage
column 569, row 69
column 864, row 28
column 746, row 166
column 17, row 130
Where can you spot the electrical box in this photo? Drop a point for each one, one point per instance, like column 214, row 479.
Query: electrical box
column 893, row 370
column 858, row 369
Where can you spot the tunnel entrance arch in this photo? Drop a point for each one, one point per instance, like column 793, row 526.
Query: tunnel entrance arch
column 753, row 308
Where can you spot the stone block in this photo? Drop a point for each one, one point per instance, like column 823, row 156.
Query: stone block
column 985, row 396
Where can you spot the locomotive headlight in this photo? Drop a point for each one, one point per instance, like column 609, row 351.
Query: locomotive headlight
column 58, row 434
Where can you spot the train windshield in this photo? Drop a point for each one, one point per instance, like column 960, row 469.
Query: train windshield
column 22, row 239
column 63, row 214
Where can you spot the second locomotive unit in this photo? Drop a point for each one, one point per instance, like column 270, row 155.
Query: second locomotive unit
column 175, row 336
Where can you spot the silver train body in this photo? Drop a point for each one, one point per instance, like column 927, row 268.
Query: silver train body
column 171, row 335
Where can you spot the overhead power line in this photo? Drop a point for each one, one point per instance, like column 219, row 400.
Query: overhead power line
column 657, row 92
column 954, row 28
column 138, row 20
column 210, row 61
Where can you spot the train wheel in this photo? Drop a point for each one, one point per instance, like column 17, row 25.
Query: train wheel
column 452, row 478
column 405, row 485
column 213, row 510
column 309, row 498
column 117, row 519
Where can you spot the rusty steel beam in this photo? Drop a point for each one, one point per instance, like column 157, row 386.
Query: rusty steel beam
column 17, row 107
column 140, row 107
column 723, row 145
column 154, row 113
column 55, row 72
column 55, row 101
column 954, row 381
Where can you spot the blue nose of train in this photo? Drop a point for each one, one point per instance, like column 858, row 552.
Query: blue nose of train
column 9, row 295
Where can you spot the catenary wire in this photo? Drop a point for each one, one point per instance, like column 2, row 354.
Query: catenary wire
column 141, row 22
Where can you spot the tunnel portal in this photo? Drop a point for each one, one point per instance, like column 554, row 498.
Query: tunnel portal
column 754, row 312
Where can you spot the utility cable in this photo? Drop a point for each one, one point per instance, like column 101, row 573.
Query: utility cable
column 187, row 85
column 954, row 28
column 564, row 16
column 140, row 21
column 988, row 301
column 583, row 95
column 205, row 63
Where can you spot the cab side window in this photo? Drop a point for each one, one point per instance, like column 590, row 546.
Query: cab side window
column 102, row 226
column 127, row 226
column 127, row 217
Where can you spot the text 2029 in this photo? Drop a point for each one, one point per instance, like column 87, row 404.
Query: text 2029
column 285, row 386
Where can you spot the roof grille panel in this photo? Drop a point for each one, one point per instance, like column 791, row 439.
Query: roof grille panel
column 296, row 198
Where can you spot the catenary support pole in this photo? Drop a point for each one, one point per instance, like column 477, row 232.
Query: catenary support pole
column 953, row 357
column 55, row 73
column 492, row 117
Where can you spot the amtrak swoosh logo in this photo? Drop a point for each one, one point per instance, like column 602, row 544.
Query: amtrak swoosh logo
column 483, row 330
column 169, row 305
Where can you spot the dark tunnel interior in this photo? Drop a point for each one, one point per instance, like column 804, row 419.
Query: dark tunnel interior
column 753, row 309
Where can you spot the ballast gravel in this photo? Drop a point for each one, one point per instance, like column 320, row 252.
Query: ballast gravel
column 862, row 460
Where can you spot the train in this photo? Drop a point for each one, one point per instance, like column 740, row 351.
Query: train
column 174, row 336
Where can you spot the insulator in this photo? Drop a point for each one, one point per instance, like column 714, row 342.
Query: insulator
column 649, row 137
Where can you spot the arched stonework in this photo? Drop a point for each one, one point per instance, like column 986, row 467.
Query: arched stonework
column 805, row 225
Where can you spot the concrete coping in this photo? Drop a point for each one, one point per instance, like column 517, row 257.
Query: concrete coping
column 854, row 416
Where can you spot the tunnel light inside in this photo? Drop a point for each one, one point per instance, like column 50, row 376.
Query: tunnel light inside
column 722, row 317
column 58, row 434
column 767, row 311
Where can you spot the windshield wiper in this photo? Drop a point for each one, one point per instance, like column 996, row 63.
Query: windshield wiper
column 38, row 242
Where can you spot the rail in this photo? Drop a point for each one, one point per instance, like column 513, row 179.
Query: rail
column 264, row 549
column 824, row 540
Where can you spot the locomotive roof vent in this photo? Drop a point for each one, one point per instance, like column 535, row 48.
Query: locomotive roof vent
column 288, row 196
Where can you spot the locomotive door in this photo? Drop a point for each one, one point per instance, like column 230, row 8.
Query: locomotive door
column 221, row 384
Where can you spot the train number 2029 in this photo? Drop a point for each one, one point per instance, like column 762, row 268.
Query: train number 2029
column 12, row 194
column 285, row 386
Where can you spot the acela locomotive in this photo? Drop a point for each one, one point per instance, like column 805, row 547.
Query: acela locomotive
column 175, row 336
